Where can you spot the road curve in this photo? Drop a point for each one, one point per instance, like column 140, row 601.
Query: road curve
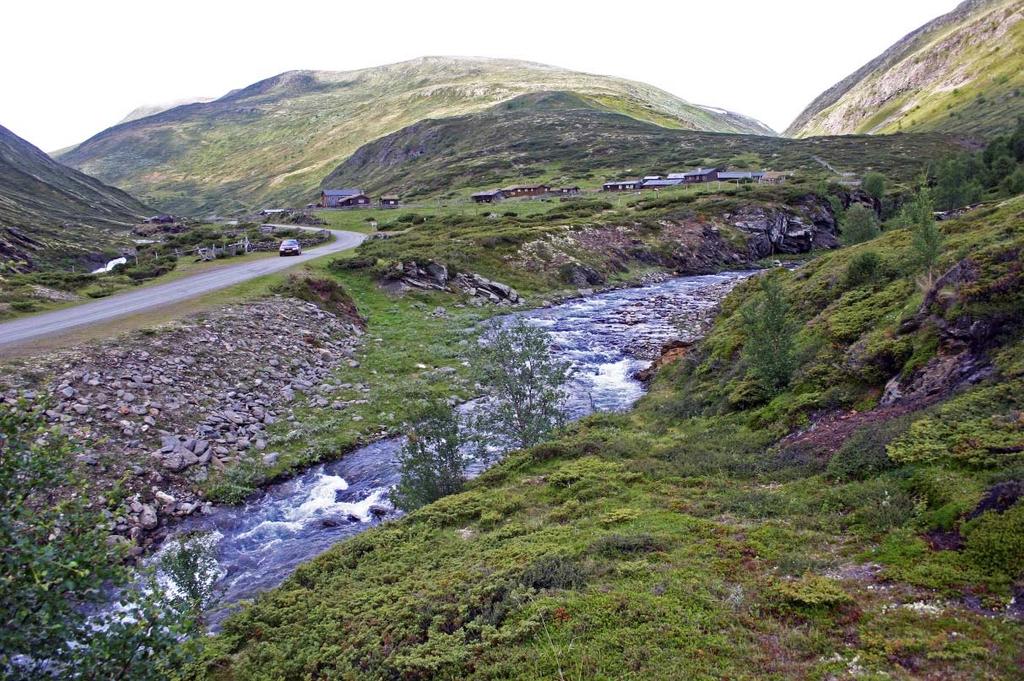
column 27, row 329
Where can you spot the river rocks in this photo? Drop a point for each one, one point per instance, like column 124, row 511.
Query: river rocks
column 179, row 460
column 147, row 517
column 580, row 275
column 670, row 352
column 159, row 409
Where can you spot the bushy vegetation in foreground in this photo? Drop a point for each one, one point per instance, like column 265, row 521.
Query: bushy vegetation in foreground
column 70, row 608
column 705, row 534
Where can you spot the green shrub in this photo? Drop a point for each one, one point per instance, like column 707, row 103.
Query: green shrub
column 995, row 541
column 619, row 515
column 525, row 387
column 863, row 455
column 325, row 293
column 884, row 507
column 919, row 216
column 770, row 348
column 411, row 218
column 100, row 291
column 431, row 461
column 978, row 428
column 149, row 269
column 811, row 592
column 859, row 224
column 874, row 185
column 59, row 573
column 614, row 545
column 553, row 572
column 23, row 305
column 863, row 269
column 190, row 562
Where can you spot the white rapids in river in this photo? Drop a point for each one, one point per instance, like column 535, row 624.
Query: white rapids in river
column 608, row 337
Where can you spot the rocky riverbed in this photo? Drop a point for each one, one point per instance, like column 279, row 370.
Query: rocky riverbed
column 156, row 413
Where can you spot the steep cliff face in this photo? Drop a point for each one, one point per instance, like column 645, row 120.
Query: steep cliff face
column 962, row 72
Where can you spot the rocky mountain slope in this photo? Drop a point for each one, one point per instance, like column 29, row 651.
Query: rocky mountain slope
column 962, row 72
column 565, row 138
column 52, row 214
column 275, row 140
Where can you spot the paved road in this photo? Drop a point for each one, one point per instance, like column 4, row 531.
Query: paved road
column 27, row 329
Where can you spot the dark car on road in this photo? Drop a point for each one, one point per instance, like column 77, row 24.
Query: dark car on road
column 290, row 247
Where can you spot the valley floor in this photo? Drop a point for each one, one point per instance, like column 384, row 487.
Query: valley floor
column 691, row 538
column 858, row 523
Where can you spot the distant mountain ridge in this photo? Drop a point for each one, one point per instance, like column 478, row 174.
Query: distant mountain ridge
column 566, row 138
column 153, row 109
column 962, row 72
column 275, row 140
column 51, row 214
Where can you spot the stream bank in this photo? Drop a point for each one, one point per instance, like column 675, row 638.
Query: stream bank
column 608, row 337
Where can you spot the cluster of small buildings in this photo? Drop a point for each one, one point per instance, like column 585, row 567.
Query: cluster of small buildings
column 518, row 191
column 355, row 198
column 695, row 176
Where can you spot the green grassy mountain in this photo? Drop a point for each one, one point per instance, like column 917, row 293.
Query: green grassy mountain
column 275, row 140
column 51, row 214
column 962, row 72
column 566, row 138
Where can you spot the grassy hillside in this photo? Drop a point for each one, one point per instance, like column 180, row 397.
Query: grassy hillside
column 52, row 215
column 884, row 542
column 275, row 140
column 962, row 72
column 564, row 138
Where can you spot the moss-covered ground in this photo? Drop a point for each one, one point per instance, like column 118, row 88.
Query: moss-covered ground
column 709, row 533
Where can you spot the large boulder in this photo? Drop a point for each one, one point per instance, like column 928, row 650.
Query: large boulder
column 434, row 276
column 579, row 274
column 477, row 286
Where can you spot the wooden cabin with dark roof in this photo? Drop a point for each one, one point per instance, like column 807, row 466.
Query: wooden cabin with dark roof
column 489, row 196
column 700, row 175
column 344, row 198
column 525, row 190
column 621, row 186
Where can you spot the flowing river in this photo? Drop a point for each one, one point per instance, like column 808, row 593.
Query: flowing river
column 607, row 337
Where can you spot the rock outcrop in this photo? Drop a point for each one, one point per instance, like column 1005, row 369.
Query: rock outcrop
column 806, row 225
column 700, row 243
column 435, row 276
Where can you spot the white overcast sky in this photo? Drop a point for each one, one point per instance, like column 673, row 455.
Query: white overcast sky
column 70, row 69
